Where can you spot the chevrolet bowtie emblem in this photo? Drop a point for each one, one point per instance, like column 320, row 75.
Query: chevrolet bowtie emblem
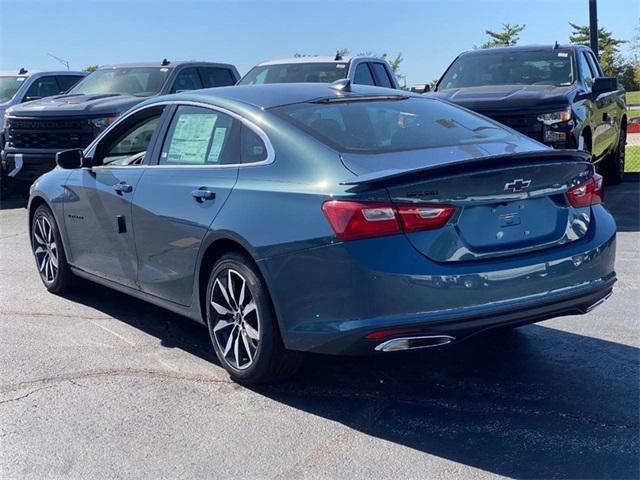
column 517, row 185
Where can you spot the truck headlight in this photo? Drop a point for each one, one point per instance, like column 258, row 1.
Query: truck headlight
column 555, row 117
column 100, row 124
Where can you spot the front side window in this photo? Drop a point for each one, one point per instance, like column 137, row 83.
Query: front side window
column 67, row 81
column 137, row 81
column 295, row 72
column 187, row 79
column 200, row 136
column 545, row 67
column 9, row 87
column 595, row 67
column 585, row 68
column 363, row 75
column 386, row 125
column 42, row 87
column 382, row 79
column 128, row 144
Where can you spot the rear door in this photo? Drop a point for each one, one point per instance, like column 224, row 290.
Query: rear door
column 97, row 211
column 180, row 195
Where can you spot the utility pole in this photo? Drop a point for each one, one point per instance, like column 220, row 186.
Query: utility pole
column 593, row 26
column 61, row 60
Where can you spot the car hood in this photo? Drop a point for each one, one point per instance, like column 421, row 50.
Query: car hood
column 63, row 105
column 504, row 97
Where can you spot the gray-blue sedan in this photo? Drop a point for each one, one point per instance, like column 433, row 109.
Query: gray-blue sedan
column 328, row 218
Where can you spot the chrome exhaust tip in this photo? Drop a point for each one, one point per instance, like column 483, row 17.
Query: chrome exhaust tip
column 414, row 343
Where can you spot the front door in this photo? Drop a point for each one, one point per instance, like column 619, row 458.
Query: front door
column 97, row 211
column 178, row 198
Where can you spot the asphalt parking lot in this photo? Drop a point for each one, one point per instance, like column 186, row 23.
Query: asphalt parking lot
column 99, row 385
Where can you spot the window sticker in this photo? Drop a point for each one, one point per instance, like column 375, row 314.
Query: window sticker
column 219, row 135
column 191, row 138
column 563, row 54
column 341, row 65
column 20, row 79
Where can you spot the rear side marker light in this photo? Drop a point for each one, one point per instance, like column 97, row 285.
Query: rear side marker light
column 588, row 193
column 357, row 220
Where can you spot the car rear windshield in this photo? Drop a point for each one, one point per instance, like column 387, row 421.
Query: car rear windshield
column 391, row 125
column 550, row 67
column 138, row 81
column 8, row 87
column 295, row 73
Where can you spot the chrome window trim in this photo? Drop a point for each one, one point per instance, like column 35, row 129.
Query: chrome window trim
column 248, row 123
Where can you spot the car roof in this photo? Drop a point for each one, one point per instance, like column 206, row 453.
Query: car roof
column 520, row 48
column 316, row 59
column 171, row 64
column 16, row 73
column 277, row 94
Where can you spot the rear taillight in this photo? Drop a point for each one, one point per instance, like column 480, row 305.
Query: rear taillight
column 588, row 193
column 356, row 220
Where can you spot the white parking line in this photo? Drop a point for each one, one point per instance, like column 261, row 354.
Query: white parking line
column 112, row 332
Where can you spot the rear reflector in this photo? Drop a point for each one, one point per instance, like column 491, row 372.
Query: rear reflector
column 357, row 220
column 588, row 193
column 380, row 334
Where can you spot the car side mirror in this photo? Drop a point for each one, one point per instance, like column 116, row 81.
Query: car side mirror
column 70, row 159
column 604, row 84
column 421, row 88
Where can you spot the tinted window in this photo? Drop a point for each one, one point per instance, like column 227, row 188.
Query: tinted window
column 295, row 72
column 382, row 79
column 545, row 67
column 67, row 81
column 595, row 67
column 216, row 77
column 127, row 145
column 9, row 86
column 363, row 75
column 585, row 68
column 367, row 126
column 252, row 147
column 200, row 136
column 187, row 79
column 43, row 87
column 138, row 81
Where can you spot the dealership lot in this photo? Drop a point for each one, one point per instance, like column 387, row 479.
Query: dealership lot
column 99, row 385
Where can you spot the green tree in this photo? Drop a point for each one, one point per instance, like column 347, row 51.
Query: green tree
column 90, row 68
column 608, row 47
column 509, row 36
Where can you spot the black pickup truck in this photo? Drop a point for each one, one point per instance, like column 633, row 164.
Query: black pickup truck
column 36, row 131
column 554, row 94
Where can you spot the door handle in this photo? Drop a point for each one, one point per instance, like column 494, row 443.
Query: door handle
column 122, row 187
column 202, row 194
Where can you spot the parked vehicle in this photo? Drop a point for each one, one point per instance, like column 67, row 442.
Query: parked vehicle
column 554, row 94
column 25, row 86
column 634, row 125
column 36, row 131
column 358, row 69
column 326, row 218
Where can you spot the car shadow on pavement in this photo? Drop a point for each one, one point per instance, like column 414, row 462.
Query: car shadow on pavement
column 623, row 201
column 536, row 402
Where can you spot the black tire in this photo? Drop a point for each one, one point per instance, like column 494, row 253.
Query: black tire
column 613, row 165
column 48, row 250
column 243, row 326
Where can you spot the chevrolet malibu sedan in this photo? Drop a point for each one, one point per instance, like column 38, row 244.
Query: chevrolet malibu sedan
column 333, row 218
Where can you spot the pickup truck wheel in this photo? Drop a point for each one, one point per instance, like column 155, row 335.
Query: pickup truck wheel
column 613, row 164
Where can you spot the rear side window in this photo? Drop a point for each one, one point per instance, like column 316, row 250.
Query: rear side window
column 378, row 126
column 216, row 77
column 363, row 75
column 42, row 87
column 382, row 79
column 200, row 136
column 65, row 82
column 252, row 146
column 187, row 79
column 295, row 72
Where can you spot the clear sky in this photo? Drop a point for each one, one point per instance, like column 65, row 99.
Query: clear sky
column 428, row 33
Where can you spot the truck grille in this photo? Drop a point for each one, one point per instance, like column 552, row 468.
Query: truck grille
column 48, row 133
column 525, row 124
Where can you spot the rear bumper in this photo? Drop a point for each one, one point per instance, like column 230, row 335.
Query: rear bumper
column 328, row 299
column 25, row 167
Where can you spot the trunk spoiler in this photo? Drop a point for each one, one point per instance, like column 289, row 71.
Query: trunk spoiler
column 540, row 156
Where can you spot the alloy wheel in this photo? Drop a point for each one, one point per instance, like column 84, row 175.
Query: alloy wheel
column 235, row 319
column 45, row 249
